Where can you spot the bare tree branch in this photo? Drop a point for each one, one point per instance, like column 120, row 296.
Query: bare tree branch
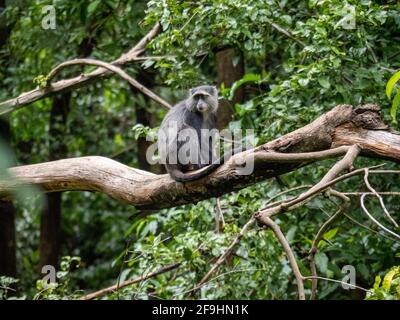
column 223, row 257
column 382, row 193
column 337, row 281
column 346, row 162
column 114, row 69
column 71, row 83
column 289, row 253
column 287, row 33
column 379, row 198
column 314, row 248
column 147, row 191
column 271, row 204
column 126, row 283
column 376, row 221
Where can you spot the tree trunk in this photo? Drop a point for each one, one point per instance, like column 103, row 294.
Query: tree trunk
column 146, row 118
column 7, row 210
column 8, row 265
column 50, row 221
column 7, row 222
column 229, row 71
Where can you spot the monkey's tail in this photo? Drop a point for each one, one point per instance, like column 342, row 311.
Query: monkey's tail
column 179, row 176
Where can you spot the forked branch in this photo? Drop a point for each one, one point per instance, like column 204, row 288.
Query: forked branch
column 68, row 84
column 114, row 69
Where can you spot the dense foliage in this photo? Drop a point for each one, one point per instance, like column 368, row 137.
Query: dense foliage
column 300, row 61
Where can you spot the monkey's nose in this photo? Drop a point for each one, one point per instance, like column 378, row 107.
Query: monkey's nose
column 202, row 108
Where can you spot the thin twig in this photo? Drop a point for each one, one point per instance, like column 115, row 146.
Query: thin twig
column 337, row 281
column 222, row 258
column 155, row 58
column 219, row 217
column 268, row 202
column 286, row 32
column 367, row 228
column 7, row 288
column 384, row 171
column 374, row 220
column 140, row 47
column 217, row 277
column 382, row 193
column 371, row 51
column 115, row 287
column 379, row 198
column 383, row 235
column 362, row 225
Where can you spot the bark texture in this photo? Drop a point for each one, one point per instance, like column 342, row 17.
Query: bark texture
column 150, row 191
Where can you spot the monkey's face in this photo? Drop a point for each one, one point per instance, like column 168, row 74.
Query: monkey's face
column 202, row 105
column 204, row 99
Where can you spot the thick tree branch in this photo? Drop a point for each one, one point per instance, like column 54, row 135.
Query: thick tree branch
column 334, row 131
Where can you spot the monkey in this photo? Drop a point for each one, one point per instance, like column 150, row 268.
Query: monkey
column 181, row 130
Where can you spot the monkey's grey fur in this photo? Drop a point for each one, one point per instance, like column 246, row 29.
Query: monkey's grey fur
column 197, row 112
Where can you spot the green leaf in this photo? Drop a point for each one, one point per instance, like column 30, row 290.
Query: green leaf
column 187, row 253
column 330, row 234
column 390, row 84
column 395, row 105
column 249, row 77
column 321, row 260
column 304, row 82
column 93, row 6
column 118, row 140
column 387, row 280
column 377, row 282
column 40, row 80
column 324, row 82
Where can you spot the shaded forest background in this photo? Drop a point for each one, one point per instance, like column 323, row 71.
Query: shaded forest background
column 287, row 62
